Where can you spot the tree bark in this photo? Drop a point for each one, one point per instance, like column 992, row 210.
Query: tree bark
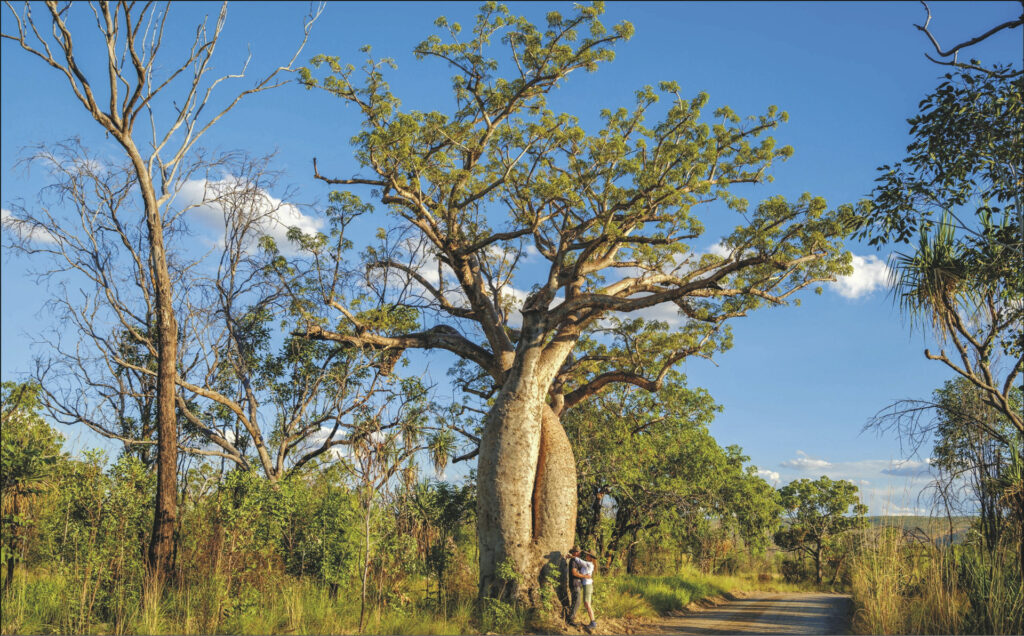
column 526, row 491
column 161, row 544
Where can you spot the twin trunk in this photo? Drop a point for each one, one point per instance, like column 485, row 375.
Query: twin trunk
column 526, row 495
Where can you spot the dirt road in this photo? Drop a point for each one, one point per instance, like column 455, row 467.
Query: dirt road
column 765, row 613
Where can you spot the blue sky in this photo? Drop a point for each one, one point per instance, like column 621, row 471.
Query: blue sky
column 801, row 381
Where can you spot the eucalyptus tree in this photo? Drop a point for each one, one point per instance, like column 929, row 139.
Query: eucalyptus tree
column 156, row 108
column 610, row 218
column 818, row 512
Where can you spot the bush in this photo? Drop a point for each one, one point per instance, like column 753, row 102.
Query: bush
column 794, row 571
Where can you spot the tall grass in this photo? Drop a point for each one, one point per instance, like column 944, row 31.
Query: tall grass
column 902, row 585
column 35, row 604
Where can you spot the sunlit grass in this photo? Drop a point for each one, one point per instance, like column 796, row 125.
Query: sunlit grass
column 905, row 587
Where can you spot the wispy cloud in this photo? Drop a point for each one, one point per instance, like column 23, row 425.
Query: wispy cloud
column 907, row 468
column 277, row 217
column 887, row 486
column 770, row 476
column 869, row 273
column 25, row 230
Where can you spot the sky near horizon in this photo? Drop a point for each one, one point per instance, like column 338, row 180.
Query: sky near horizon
column 800, row 382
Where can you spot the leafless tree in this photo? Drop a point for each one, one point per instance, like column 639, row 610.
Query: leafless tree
column 156, row 109
column 241, row 397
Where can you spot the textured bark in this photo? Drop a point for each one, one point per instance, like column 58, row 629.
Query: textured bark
column 509, row 450
column 554, row 501
column 165, row 517
column 526, row 494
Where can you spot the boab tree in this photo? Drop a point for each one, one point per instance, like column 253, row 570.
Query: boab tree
column 503, row 186
column 156, row 109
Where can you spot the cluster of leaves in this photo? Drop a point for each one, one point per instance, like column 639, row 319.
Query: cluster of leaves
column 649, row 469
column 817, row 514
column 965, row 153
column 29, row 452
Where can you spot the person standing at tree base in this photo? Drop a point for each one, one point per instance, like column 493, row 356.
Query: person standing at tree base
column 576, row 578
column 588, row 562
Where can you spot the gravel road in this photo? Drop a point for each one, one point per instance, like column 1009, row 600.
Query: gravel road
column 765, row 613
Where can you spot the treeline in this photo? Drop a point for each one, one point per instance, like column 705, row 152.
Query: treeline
column 76, row 530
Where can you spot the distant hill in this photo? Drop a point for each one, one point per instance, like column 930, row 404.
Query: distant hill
column 935, row 528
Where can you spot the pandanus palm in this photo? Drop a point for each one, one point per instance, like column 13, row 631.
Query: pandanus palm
column 933, row 283
column 948, row 283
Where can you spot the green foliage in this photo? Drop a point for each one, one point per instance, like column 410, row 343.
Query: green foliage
column 975, row 441
column 818, row 513
column 966, row 150
column 445, row 509
column 474, row 184
column 30, row 453
column 958, row 190
column 668, row 483
column 30, row 447
column 503, row 618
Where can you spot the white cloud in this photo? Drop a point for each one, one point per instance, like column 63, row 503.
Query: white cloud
column 24, row 230
column 869, row 273
column 769, row 475
column 888, row 486
column 806, row 463
column 719, row 250
column 277, row 216
column 335, row 452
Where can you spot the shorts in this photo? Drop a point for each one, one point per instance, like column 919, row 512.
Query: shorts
column 588, row 593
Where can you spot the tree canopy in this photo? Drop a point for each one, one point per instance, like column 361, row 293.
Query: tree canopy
column 817, row 512
column 610, row 216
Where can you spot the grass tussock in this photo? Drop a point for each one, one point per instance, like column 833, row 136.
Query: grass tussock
column 902, row 585
column 35, row 605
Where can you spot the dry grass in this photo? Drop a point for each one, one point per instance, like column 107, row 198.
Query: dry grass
column 904, row 586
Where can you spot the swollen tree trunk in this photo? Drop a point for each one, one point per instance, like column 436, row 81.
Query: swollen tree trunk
column 526, row 491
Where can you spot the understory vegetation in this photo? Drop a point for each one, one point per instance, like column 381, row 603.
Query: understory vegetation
column 276, row 444
column 903, row 583
column 315, row 552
